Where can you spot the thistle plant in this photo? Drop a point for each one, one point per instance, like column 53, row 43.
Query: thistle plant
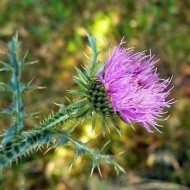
column 125, row 86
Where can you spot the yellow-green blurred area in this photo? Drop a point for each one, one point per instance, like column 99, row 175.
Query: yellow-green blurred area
column 55, row 32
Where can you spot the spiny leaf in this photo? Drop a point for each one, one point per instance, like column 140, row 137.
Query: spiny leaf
column 80, row 83
column 116, row 126
column 77, row 92
column 95, row 164
column 61, row 140
column 78, row 152
column 14, row 44
column 4, row 69
column 95, row 64
column 80, row 103
column 7, row 111
column 82, row 76
column 87, row 69
column 81, row 112
column 96, row 67
column 7, row 67
column 30, row 141
column 93, row 45
column 117, row 167
column 5, row 87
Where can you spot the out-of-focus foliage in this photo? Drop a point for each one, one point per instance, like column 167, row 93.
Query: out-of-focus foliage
column 55, row 32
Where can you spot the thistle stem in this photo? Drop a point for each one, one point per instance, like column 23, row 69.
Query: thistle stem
column 33, row 140
column 22, row 144
column 74, row 111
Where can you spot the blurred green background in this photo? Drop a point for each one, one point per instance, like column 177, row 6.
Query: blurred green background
column 55, row 32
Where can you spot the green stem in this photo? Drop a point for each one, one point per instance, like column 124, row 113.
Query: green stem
column 74, row 111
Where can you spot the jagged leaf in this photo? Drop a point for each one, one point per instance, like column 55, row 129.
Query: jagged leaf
column 7, row 111
column 116, row 126
column 8, row 135
column 80, row 103
column 5, row 87
column 77, row 92
column 82, row 76
column 4, row 69
column 95, row 164
column 87, row 69
column 96, row 67
column 7, row 67
column 93, row 45
column 95, row 64
column 80, row 83
column 60, row 141
column 86, row 113
column 14, row 44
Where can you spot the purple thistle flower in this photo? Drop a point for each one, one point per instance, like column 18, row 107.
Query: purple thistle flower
column 136, row 92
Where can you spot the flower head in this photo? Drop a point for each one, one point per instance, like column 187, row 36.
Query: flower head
column 134, row 88
column 126, row 85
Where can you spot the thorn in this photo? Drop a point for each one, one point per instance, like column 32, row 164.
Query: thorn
column 92, row 171
column 120, row 153
column 108, row 129
column 86, row 56
column 129, row 122
column 30, row 82
column 47, row 150
column 16, row 161
column 16, row 35
column 39, row 148
column 105, row 146
column 99, row 171
column 42, row 87
column 70, row 168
